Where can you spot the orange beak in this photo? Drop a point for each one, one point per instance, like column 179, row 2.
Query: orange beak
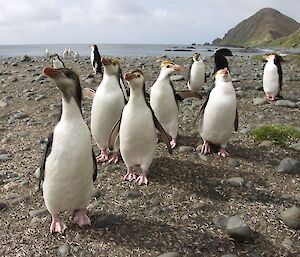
column 52, row 73
column 105, row 61
column 178, row 68
column 129, row 76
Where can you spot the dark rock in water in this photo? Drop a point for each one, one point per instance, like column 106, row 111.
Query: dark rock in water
column 25, row 58
column 238, row 229
column 288, row 165
column 291, row 217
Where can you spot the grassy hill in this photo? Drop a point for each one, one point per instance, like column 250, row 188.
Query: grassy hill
column 260, row 29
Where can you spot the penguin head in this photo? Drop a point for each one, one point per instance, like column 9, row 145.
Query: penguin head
column 111, row 66
column 196, row 57
column 54, row 57
column 223, row 74
column 272, row 57
column 169, row 67
column 67, row 82
column 135, row 78
column 93, row 46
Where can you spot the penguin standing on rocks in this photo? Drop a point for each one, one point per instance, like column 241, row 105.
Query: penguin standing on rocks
column 96, row 59
column 219, row 114
column 57, row 63
column 137, row 130
column 108, row 103
column 196, row 73
column 68, row 166
column 163, row 99
column 272, row 78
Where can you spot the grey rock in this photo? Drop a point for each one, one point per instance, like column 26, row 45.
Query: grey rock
column 229, row 255
column 90, row 80
column 3, row 206
column 5, row 157
column 236, row 181
column 169, row 254
column 3, row 104
column 64, row 250
column 291, row 217
column 203, row 157
column 266, row 143
column 288, row 165
column 295, row 146
column 132, row 194
column 286, row 103
column 20, row 115
column 253, row 254
column 106, row 221
column 221, row 221
column 288, row 242
column 39, row 212
column 259, row 101
column 14, row 79
column 186, row 149
column 177, row 77
column 233, row 162
column 40, row 78
column 25, row 58
column 238, row 229
column 40, row 97
column 14, row 64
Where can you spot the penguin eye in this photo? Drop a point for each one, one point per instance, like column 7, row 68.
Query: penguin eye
column 168, row 66
column 138, row 75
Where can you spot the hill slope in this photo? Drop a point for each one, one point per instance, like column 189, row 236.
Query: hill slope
column 292, row 40
column 260, row 29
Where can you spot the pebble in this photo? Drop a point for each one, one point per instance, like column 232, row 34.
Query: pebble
column 177, row 77
column 132, row 194
column 236, row 181
column 286, row 103
column 287, row 242
column 291, row 217
column 288, row 165
column 233, row 162
column 38, row 212
column 238, row 229
column 203, row 157
column 14, row 64
column 266, row 143
column 3, row 104
column 186, row 149
column 63, row 250
column 3, row 206
column 259, row 101
column 106, row 221
column 5, row 157
column 295, row 146
column 169, row 254
column 20, row 115
column 221, row 221
column 229, row 255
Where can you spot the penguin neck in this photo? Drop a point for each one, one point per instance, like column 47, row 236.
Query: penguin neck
column 70, row 109
column 163, row 76
column 136, row 94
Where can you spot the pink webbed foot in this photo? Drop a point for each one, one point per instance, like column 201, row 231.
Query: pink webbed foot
column 103, row 156
column 205, row 149
column 81, row 218
column 270, row 97
column 57, row 225
column 222, row 152
column 129, row 175
column 114, row 158
column 173, row 143
column 142, row 179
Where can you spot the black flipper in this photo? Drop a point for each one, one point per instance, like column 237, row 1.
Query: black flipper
column 94, row 166
column 189, row 70
column 46, row 153
column 165, row 137
column 236, row 121
column 201, row 110
column 277, row 61
column 123, row 88
column 181, row 95
column 114, row 134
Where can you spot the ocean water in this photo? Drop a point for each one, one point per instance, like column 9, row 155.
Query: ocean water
column 127, row 50
column 112, row 49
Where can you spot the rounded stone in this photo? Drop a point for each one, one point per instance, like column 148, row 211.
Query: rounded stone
column 291, row 217
column 238, row 229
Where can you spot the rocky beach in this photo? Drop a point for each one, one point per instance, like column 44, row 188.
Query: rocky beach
column 195, row 205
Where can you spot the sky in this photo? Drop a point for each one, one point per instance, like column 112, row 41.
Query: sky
column 127, row 21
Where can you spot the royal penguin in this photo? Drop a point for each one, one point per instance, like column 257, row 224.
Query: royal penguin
column 163, row 99
column 272, row 78
column 196, row 73
column 108, row 103
column 57, row 63
column 68, row 166
column 219, row 114
column 96, row 59
column 137, row 130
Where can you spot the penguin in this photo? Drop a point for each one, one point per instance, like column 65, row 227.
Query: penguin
column 219, row 114
column 196, row 73
column 65, row 54
column 68, row 166
column 96, row 59
column 137, row 130
column 163, row 99
column 47, row 53
column 57, row 63
column 220, row 61
column 76, row 55
column 108, row 103
column 272, row 78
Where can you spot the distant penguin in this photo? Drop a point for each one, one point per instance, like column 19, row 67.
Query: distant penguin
column 65, row 54
column 163, row 99
column 57, row 63
column 272, row 78
column 96, row 59
column 219, row 114
column 68, row 166
column 137, row 130
column 196, row 73
column 47, row 53
column 108, row 103
column 76, row 55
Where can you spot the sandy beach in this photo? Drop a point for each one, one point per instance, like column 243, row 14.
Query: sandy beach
column 190, row 198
